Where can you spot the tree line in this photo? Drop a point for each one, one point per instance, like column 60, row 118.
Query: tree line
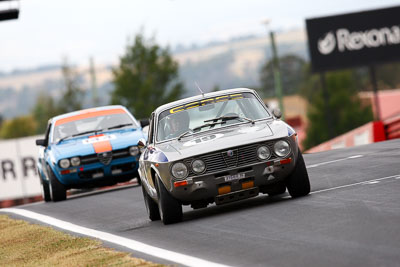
column 146, row 77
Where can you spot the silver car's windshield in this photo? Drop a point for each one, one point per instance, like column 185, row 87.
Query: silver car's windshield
column 210, row 113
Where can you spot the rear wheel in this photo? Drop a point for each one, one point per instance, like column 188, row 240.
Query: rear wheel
column 57, row 189
column 151, row 206
column 298, row 183
column 170, row 209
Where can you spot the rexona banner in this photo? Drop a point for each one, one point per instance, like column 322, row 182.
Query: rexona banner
column 354, row 39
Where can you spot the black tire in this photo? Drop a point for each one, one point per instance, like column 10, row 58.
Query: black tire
column 57, row 189
column 298, row 183
column 45, row 191
column 277, row 189
column 151, row 206
column 170, row 209
column 138, row 178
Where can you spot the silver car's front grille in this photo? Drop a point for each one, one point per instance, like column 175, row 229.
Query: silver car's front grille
column 230, row 158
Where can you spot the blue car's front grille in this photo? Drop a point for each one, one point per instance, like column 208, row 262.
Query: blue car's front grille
column 119, row 169
column 89, row 174
column 94, row 158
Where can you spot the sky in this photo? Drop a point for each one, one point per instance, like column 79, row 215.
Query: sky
column 49, row 30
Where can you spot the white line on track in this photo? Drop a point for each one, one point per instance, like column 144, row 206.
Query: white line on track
column 333, row 161
column 373, row 181
column 122, row 241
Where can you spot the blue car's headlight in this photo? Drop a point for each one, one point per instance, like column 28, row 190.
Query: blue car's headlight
column 134, row 150
column 75, row 161
column 64, row 163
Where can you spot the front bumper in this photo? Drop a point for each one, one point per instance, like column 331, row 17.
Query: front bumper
column 211, row 187
column 96, row 174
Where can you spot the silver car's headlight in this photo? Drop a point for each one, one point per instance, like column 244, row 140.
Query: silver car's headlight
column 134, row 150
column 198, row 166
column 64, row 163
column 263, row 152
column 281, row 148
column 179, row 170
column 75, row 161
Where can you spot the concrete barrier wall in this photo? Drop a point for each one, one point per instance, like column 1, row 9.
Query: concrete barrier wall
column 18, row 173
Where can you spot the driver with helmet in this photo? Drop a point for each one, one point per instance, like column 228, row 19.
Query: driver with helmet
column 177, row 124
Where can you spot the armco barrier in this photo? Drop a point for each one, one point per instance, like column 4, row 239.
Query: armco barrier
column 369, row 133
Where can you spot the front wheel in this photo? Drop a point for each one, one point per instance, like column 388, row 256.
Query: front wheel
column 151, row 206
column 298, row 183
column 170, row 208
column 57, row 189
column 45, row 191
column 277, row 189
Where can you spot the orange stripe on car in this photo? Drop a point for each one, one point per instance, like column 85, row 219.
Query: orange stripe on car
column 101, row 146
column 90, row 113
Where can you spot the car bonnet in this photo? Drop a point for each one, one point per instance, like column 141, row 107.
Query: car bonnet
column 223, row 139
column 92, row 144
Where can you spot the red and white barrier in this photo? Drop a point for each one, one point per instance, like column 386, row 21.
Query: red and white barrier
column 19, row 180
column 369, row 133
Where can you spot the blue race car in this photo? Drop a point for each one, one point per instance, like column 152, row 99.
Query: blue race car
column 89, row 148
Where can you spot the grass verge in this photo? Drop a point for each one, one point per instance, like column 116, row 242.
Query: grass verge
column 26, row 244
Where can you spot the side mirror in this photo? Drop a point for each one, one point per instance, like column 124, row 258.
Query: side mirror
column 41, row 142
column 277, row 113
column 142, row 143
column 144, row 122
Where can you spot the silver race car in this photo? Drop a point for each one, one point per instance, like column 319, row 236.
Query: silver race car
column 217, row 147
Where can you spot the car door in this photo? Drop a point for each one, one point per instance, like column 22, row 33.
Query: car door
column 43, row 154
column 145, row 159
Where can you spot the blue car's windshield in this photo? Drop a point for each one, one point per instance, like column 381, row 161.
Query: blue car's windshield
column 92, row 125
column 208, row 114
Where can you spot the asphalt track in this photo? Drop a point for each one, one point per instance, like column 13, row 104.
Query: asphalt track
column 351, row 218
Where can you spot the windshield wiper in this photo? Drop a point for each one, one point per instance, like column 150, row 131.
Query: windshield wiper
column 223, row 118
column 207, row 125
column 119, row 126
column 227, row 118
column 215, row 121
column 87, row 132
column 62, row 139
column 78, row 134
column 246, row 119
column 185, row 133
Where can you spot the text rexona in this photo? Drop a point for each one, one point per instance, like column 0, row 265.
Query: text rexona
column 357, row 40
